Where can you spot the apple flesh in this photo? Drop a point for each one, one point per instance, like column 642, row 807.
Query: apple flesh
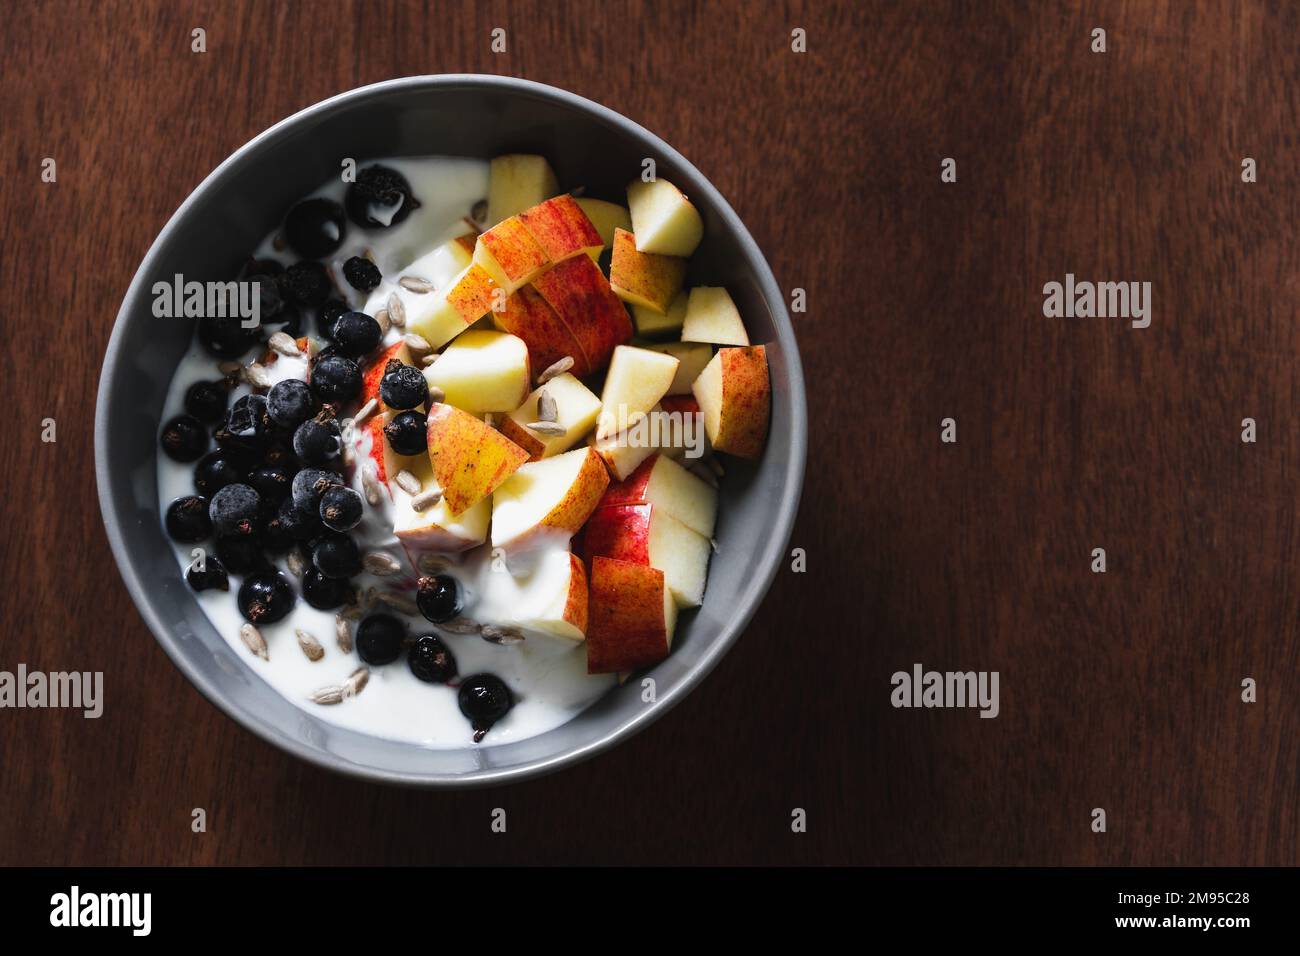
column 650, row 323
column 636, row 380
column 581, row 296
column 662, row 482
column 554, row 597
column 735, row 396
column 630, row 618
column 606, row 217
column 562, row 229
column 545, row 501
column 576, row 410
column 440, row 316
column 531, row 317
column 712, row 316
column 643, row 278
column 436, row 530
column 482, row 372
column 692, row 357
column 646, row 534
column 470, row 459
column 516, row 182
column 387, row 462
column 663, row 219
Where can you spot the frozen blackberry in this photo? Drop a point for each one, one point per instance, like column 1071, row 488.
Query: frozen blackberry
column 242, row 555
column 335, row 379
column 355, row 334
column 184, row 438
column 235, row 511
column 324, row 593
column 438, row 598
column 225, row 336
column 212, row 577
column 308, row 486
column 318, row 441
column 206, row 401
column 403, row 386
column 306, row 283
column 430, row 660
column 337, row 556
column 272, row 485
column 187, row 519
column 213, row 472
column 340, row 509
column 292, row 522
column 484, row 699
column 379, row 639
column 380, row 198
column 329, row 314
column 265, row 597
column 408, row 433
column 244, row 434
column 362, row 274
column 315, row 228
column 290, row 403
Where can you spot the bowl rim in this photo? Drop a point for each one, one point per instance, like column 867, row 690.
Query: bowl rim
column 758, row 585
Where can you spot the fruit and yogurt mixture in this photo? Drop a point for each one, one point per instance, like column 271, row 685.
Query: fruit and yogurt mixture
column 462, row 475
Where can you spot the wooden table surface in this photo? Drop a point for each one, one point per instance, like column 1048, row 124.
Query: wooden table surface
column 1119, row 691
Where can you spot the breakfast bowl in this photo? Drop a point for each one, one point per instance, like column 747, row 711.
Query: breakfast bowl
column 595, row 153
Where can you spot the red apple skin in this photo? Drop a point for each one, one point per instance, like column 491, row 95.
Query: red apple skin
column 374, row 426
column 625, row 619
column 528, row 316
column 686, row 404
column 375, row 372
column 580, row 295
column 560, row 227
column 618, row 531
column 631, row 490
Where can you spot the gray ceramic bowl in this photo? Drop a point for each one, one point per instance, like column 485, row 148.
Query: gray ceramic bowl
column 240, row 202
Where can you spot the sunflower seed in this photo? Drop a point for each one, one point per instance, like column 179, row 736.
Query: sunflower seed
column 715, row 466
column 349, row 456
column 558, row 368
column 356, row 682
column 547, row 409
column 380, row 563
column 369, row 597
column 429, row 359
column 229, row 368
column 545, row 428
column 348, row 430
column 327, row 695
column 365, row 411
column 426, row 500
column 283, row 343
column 279, row 243
column 431, row 564
column 436, row 394
column 408, row 482
column 257, row 376
column 478, row 211
column 396, row 311
column 296, row 565
column 382, row 318
column 343, row 633
column 415, row 284
column 254, row 641
column 399, row 602
column 501, row 635
column 370, row 482
column 461, row 625
column 417, row 343
column 310, row 646
column 353, row 612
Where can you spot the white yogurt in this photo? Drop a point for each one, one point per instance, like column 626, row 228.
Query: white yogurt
column 547, row 675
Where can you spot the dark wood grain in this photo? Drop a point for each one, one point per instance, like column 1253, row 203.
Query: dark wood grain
column 1118, row 690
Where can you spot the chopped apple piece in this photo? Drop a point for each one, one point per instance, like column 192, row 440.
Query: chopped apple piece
column 624, row 451
column 711, row 316
column 546, row 500
column 735, row 396
column 440, row 316
column 516, row 182
column 631, row 615
column 606, row 217
column 651, row 323
column 435, row 530
column 581, row 296
column 576, row 410
column 692, row 356
column 643, row 278
column 637, row 379
column 510, row 255
column 646, row 534
column 661, row 482
column 482, row 372
column 663, row 220
column 470, row 458
column 556, row 602
column 387, row 462
column 531, row 317
column 562, row 229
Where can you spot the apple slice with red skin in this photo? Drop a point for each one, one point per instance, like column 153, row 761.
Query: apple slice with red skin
column 580, row 295
column 630, row 616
